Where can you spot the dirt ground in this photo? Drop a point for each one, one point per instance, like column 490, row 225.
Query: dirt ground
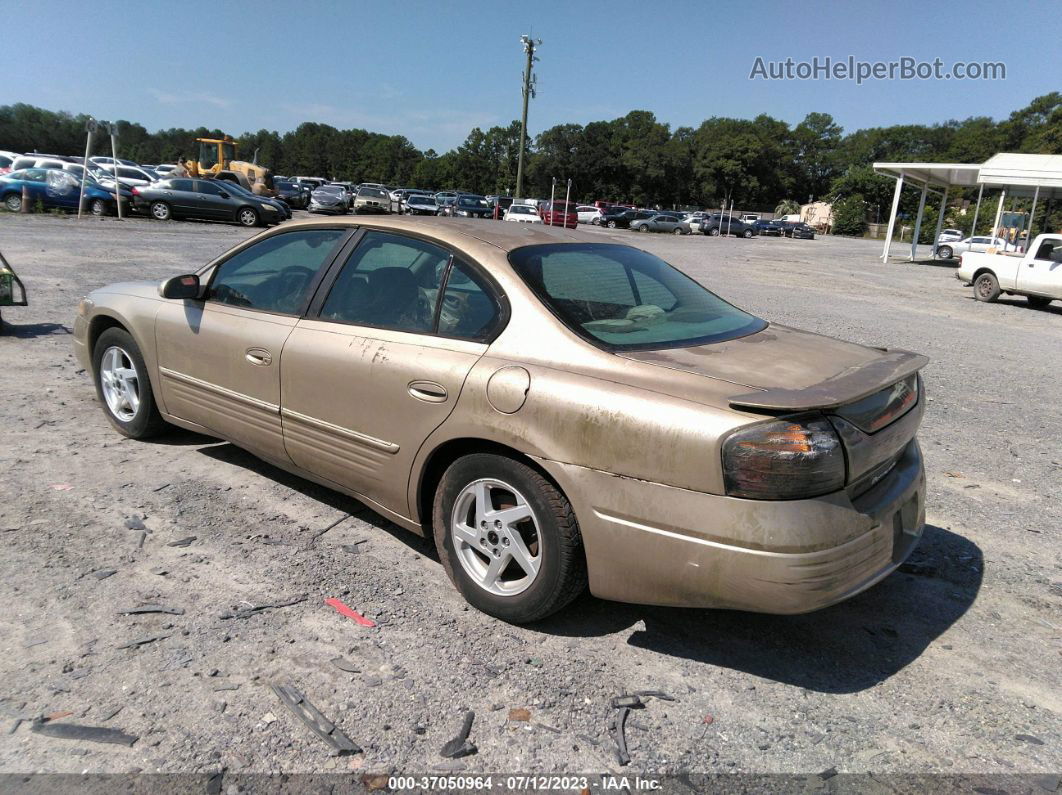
column 949, row 666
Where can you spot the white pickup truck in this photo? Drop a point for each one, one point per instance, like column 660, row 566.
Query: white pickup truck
column 1037, row 275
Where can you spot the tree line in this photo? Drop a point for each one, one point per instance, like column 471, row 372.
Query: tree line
column 756, row 163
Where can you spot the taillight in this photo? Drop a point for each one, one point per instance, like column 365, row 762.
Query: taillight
column 785, row 459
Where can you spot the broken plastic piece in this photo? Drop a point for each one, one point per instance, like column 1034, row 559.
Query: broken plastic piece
column 350, row 613
column 182, row 542
column 92, row 734
column 630, row 702
column 141, row 641
column 619, row 727
column 345, row 665
column 655, row 694
column 244, row 612
column 173, row 611
column 460, row 746
column 317, row 723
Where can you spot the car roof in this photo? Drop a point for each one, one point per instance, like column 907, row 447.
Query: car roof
column 457, row 231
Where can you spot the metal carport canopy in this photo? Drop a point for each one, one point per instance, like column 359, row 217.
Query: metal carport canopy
column 1023, row 174
column 941, row 175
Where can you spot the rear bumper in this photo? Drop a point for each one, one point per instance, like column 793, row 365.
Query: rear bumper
column 653, row 544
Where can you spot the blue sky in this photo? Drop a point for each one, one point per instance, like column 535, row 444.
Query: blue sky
column 433, row 70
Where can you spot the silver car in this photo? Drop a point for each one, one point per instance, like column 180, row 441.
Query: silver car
column 662, row 222
column 958, row 247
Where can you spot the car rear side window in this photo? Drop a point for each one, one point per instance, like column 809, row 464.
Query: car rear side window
column 622, row 298
column 275, row 274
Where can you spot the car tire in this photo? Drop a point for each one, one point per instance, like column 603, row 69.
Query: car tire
column 714, row 231
column 549, row 534
column 595, row 222
column 161, row 211
column 611, row 224
column 986, row 288
column 643, row 228
column 678, row 231
column 747, row 234
column 944, row 252
column 98, row 207
column 114, row 352
column 247, row 216
column 1038, row 301
column 13, row 202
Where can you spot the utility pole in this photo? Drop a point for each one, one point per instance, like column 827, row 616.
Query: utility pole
column 528, row 92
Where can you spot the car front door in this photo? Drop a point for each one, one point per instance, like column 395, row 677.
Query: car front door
column 380, row 360
column 219, row 358
column 214, row 201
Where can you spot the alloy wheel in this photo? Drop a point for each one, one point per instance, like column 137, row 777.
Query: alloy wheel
column 496, row 537
column 13, row 203
column 120, row 383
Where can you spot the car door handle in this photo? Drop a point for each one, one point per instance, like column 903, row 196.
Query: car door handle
column 259, row 356
column 428, row 391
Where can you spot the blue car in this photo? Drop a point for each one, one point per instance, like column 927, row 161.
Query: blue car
column 53, row 187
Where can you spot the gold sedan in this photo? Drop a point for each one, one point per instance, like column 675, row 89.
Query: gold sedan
column 556, row 411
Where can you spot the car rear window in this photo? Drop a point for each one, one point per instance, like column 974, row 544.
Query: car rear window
column 622, row 298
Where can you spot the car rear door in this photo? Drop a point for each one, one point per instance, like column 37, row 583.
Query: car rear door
column 379, row 362
column 219, row 358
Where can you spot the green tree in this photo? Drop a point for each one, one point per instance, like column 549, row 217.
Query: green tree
column 850, row 216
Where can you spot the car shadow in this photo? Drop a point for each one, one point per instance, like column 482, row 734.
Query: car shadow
column 231, row 454
column 846, row 648
column 1054, row 308
column 31, row 330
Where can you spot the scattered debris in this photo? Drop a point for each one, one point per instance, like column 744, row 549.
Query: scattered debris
column 103, row 574
column 142, row 641
column 269, row 718
column 182, row 542
column 110, row 712
column 92, row 734
column 37, row 641
column 350, row 613
column 919, row 569
column 460, row 746
column 345, row 665
column 1028, row 738
column 15, row 725
column 631, row 702
column 519, row 713
column 163, row 486
column 173, row 611
column 135, row 523
column 535, row 661
column 586, row 738
column 618, row 727
column 62, row 486
column 350, row 549
column 320, row 533
column 244, row 612
column 828, row 773
column 546, row 727
column 954, row 475
column 660, row 694
column 226, row 687
column 140, row 541
column 59, row 715
column 317, row 723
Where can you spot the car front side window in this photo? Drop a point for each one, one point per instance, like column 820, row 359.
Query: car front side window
column 274, row 275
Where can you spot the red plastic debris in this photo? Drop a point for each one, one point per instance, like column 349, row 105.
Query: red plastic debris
column 343, row 610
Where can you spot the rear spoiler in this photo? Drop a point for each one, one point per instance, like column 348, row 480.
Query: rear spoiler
column 848, row 386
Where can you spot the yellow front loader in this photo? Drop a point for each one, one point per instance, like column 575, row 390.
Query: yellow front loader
column 217, row 160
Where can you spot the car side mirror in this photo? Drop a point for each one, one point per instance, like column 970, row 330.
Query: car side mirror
column 180, row 287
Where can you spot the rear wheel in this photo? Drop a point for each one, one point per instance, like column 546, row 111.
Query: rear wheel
column 714, row 231
column 161, row 211
column 944, row 252
column 595, row 221
column 13, row 202
column 611, row 224
column 508, row 539
column 123, row 386
column 678, row 231
column 247, row 216
column 986, row 288
column 1037, row 301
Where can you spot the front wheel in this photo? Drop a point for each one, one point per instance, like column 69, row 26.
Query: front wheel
column 747, row 234
column 986, row 288
column 643, row 228
column 944, row 252
column 98, row 207
column 714, row 231
column 508, row 539
column 247, row 216
column 161, row 211
column 123, row 386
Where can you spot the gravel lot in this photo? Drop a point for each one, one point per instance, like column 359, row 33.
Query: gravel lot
column 951, row 665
